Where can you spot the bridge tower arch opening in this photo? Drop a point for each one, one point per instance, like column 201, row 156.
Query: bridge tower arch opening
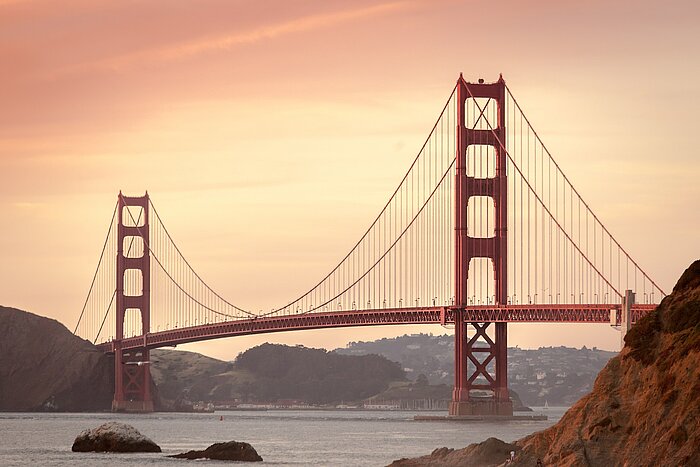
column 132, row 375
column 481, row 359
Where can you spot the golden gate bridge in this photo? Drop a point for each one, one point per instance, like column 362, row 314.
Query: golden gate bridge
column 483, row 229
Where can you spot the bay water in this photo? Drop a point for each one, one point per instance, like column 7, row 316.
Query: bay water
column 281, row 437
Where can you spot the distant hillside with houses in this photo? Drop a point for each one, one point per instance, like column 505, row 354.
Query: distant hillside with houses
column 555, row 375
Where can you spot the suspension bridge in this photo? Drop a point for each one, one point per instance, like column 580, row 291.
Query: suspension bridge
column 484, row 229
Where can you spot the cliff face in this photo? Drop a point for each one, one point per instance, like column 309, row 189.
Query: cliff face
column 645, row 405
column 644, row 409
column 43, row 366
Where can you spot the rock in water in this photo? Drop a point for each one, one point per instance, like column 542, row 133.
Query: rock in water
column 113, row 437
column 229, row 451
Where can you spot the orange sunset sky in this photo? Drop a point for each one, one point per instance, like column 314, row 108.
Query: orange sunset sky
column 270, row 133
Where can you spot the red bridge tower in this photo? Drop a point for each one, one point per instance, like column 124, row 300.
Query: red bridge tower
column 132, row 374
column 495, row 248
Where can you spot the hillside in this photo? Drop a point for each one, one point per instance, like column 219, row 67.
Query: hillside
column 269, row 372
column 556, row 375
column 43, row 366
column 644, row 407
column 185, row 376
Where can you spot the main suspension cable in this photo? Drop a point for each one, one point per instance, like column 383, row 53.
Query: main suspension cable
column 138, row 229
column 556, row 165
column 369, row 229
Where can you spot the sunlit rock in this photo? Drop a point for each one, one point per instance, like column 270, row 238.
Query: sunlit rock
column 114, row 437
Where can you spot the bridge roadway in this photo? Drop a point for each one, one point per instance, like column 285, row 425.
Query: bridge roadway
column 378, row 317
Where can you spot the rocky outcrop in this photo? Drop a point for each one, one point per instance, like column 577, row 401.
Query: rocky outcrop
column 491, row 452
column 113, row 437
column 645, row 404
column 43, row 366
column 229, row 451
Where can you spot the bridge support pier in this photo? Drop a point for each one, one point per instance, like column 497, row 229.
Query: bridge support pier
column 132, row 381
column 132, row 373
column 626, row 315
column 481, row 386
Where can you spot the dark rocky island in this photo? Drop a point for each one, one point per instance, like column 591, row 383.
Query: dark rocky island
column 229, row 451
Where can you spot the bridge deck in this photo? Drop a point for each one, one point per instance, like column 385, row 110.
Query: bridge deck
column 378, row 317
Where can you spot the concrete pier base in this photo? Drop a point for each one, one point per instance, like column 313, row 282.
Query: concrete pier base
column 478, row 418
column 481, row 407
column 132, row 406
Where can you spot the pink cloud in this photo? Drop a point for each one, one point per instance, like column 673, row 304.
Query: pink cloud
column 229, row 40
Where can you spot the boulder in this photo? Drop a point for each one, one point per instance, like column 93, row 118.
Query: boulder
column 491, row 452
column 113, row 437
column 229, row 451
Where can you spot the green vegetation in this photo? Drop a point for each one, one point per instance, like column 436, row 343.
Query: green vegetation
column 314, row 375
column 270, row 373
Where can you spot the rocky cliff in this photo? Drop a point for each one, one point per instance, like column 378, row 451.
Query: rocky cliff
column 644, row 409
column 43, row 366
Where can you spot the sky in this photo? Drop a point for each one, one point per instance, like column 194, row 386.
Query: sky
column 270, row 133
